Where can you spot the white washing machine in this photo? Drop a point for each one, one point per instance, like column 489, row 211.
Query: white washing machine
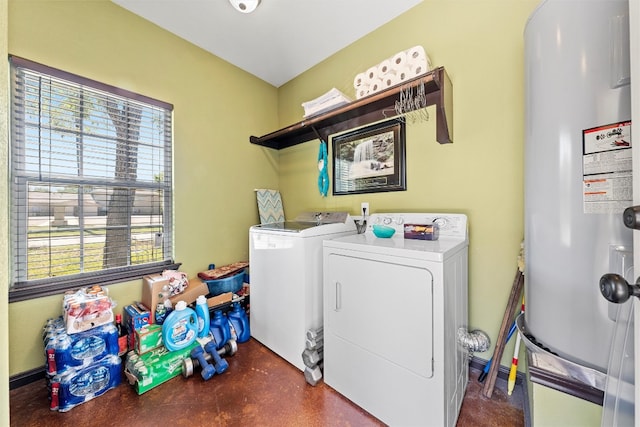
column 392, row 311
column 286, row 279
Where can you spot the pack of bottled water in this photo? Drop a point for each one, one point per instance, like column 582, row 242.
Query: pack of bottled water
column 80, row 366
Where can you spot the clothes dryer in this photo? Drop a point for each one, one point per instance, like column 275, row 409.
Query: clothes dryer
column 285, row 259
column 392, row 311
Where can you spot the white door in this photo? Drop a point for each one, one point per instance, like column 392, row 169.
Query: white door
column 634, row 34
column 618, row 409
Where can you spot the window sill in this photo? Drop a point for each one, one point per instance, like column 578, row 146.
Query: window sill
column 47, row 288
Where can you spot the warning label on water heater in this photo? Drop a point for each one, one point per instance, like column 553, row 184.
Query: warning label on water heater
column 607, row 193
column 606, row 165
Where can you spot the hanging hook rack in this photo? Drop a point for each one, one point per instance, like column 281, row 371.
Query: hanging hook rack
column 412, row 105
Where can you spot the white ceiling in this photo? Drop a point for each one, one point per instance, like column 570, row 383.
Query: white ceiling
column 280, row 39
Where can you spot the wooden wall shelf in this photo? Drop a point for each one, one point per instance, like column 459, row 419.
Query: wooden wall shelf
column 369, row 109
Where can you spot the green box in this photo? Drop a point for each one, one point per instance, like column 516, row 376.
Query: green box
column 148, row 338
column 151, row 369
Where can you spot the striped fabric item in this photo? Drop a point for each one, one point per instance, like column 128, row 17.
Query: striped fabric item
column 269, row 206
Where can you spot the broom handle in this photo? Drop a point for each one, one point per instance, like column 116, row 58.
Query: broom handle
column 514, row 299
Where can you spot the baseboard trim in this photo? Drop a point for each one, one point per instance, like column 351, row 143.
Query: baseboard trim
column 38, row 374
column 503, row 371
column 26, row 377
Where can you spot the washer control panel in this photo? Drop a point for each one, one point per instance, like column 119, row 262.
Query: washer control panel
column 450, row 225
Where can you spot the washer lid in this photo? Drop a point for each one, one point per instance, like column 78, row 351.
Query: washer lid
column 320, row 222
column 290, row 226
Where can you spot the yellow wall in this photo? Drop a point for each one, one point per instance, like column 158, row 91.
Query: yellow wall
column 215, row 167
column 4, row 265
column 553, row 408
column 480, row 44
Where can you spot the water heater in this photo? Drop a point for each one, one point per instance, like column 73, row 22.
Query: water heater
column 577, row 172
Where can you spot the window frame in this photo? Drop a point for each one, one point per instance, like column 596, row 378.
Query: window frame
column 36, row 288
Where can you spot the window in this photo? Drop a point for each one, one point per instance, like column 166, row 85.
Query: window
column 91, row 194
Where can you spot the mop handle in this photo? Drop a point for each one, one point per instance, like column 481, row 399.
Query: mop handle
column 485, row 371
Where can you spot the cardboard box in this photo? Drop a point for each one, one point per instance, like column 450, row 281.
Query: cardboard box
column 148, row 338
column 87, row 320
column 195, row 288
column 152, row 292
column 134, row 316
column 152, row 285
column 86, row 308
column 151, row 369
column 219, row 299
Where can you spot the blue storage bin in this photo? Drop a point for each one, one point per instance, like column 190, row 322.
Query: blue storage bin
column 227, row 284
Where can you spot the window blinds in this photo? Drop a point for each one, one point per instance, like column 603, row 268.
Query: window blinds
column 91, row 178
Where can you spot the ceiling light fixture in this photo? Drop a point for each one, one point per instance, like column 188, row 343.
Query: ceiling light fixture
column 245, row 6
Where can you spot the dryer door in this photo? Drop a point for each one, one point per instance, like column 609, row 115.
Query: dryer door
column 382, row 307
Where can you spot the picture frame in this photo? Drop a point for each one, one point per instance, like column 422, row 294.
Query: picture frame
column 370, row 159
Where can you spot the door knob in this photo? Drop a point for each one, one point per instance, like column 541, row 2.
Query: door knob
column 631, row 217
column 616, row 289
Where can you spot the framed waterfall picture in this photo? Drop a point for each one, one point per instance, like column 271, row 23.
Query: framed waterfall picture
column 370, row 159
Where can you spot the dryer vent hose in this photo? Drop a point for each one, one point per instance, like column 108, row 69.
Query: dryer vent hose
column 475, row 341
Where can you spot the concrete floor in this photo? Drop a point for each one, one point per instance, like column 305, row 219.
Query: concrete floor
column 259, row 388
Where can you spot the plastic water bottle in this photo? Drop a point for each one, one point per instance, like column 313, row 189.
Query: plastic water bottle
column 83, row 383
column 65, row 352
column 122, row 336
column 219, row 328
column 239, row 323
column 168, row 305
column 202, row 310
column 180, row 328
column 161, row 313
